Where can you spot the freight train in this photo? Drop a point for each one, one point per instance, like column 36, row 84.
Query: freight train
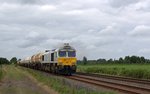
column 60, row 61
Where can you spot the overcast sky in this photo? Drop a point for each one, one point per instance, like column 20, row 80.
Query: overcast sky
column 96, row 28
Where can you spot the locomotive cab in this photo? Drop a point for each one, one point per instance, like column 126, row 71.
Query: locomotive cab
column 67, row 58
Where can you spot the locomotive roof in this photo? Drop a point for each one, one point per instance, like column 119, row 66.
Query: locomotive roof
column 66, row 46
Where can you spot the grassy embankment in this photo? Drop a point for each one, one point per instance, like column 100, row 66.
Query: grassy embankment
column 1, row 72
column 59, row 85
column 141, row 71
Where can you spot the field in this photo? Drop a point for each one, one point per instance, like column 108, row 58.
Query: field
column 141, row 71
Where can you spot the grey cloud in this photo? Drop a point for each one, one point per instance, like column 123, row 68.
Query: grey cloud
column 120, row 3
column 141, row 30
column 144, row 51
column 33, row 39
column 107, row 29
column 27, row 1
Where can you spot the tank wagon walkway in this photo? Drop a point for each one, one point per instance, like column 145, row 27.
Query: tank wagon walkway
column 15, row 81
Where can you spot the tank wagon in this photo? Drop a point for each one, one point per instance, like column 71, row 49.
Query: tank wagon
column 60, row 61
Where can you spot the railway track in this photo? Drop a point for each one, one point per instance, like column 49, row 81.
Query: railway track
column 128, row 79
column 121, row 84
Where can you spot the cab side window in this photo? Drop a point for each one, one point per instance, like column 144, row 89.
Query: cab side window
column 42, row 57
column 52, row 56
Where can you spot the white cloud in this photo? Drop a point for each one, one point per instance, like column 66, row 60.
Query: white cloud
column 48, row 8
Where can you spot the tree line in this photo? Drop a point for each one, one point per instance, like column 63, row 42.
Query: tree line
column 3, row 60
column 126, row 60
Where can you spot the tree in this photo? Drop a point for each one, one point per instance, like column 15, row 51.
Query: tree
column 110, row 60
column 84, row 60
column 101, row 60
column 19, row 59
column 13, row 60
column 127, row 59
column 121, row 60
column 143, row 60
column 4, row 61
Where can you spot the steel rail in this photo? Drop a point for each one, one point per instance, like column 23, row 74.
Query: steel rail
column 127, row 79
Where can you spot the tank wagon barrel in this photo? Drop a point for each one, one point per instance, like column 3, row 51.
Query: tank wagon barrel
column 61, row 60
column 37, row 58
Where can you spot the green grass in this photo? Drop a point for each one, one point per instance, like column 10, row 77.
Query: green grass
column 141, row 71
column 59, row 85
column 11, row 72
column 1, row 72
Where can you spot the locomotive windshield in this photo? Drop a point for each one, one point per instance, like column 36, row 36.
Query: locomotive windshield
column 71, row 53
column 62, row 53
column 67, row 54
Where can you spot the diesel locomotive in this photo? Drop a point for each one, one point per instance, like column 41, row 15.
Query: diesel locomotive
column 60, row 61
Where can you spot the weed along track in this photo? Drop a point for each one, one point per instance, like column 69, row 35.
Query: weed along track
column 129, row 86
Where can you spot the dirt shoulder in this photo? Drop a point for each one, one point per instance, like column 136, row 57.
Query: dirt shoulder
column 16, row 81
